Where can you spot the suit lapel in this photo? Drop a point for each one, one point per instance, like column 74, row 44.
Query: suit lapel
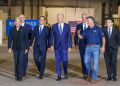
column 107, row 32
column 112, row 32
column 42, row 30
column 64, row 28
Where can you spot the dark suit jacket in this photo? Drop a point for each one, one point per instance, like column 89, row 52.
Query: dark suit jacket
column 41, row 40
column 61, row 41
column 23, row 38
column 81, row 42
column 29, row 30
column 114, row 39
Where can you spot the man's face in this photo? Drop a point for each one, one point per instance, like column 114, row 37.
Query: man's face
column 22, row 19
column 84, row 18
column 60, row 18
column 109, row 23
column 42, row 20
column 90, row 22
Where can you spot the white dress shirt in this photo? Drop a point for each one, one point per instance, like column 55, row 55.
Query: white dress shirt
column 62, row 25
column 85, row 24
column 23, row 24
column 41, row 27
column 110, row 30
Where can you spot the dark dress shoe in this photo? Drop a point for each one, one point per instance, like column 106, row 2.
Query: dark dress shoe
column 114, row 79
column 20, row 79
column 58, row 79
column 17, row 79
column 24, row 75
column 109, row 79
column 40, row 77
column 65, row 76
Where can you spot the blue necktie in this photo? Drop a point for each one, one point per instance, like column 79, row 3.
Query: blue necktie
column 40, row 30
column 60, row 29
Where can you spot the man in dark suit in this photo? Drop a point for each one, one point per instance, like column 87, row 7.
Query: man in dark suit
column 112, row 36
column 82, row 43
column 18, row 40
column 29, row 33
column 61, row 35
column 41, row 44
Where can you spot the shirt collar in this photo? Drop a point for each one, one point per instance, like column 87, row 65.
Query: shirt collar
column 110, row 28
column 61, row 23
column 23, row 24
column 41, row 26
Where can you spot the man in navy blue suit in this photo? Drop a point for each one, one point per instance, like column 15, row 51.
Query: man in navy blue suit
column 41, row 44
column 82, row 43
column 61, row 36
column 29, row 33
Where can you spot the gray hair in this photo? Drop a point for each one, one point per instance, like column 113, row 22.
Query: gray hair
column 60, row 14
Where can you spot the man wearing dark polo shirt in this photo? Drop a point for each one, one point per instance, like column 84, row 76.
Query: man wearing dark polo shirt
column 94, row 37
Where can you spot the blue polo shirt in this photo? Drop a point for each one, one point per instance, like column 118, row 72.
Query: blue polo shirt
column 93, row 35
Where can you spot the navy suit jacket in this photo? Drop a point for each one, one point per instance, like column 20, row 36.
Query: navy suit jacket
column 81, row 42
column 61, row 41
column 23, row 38
column 29, row 30
column 40, row 40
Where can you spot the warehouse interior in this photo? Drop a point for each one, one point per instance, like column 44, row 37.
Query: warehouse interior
column 72, row 10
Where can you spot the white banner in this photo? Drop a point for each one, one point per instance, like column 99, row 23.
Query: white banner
column 0, row 32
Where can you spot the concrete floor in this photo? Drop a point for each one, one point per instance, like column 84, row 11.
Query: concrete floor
column 7, row 72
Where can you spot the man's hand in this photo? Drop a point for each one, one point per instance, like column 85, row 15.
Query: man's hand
column 79, row 35
column 76, row 46
column 52, row 48
column 102, row 50
column 9, row 50
column 49, row 49
column 69, row 49
column 78, row 32
column 30, row 48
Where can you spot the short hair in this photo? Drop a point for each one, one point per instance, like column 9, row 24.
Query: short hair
column 18, row 18
column 43, row 17
column 84, row 14
column 110, row 18
column 60, row 14
column 21, row 16
column 92, row 18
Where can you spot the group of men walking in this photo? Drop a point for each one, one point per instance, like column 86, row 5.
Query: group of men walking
column 90, row 38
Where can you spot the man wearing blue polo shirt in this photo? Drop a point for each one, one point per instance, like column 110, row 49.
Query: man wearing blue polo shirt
column 95, row 41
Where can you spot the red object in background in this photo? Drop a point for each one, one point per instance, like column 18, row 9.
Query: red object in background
column 73, row 25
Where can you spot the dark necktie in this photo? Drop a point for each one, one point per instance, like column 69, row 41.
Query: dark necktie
column 40, row 30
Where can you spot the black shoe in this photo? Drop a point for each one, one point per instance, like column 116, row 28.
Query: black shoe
column 66, row 76
column 24, row 74
column 109, row 79
column 17, row 79
column 40, row 77
column 58, row 79
column 20, row 79
column 114, row 79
